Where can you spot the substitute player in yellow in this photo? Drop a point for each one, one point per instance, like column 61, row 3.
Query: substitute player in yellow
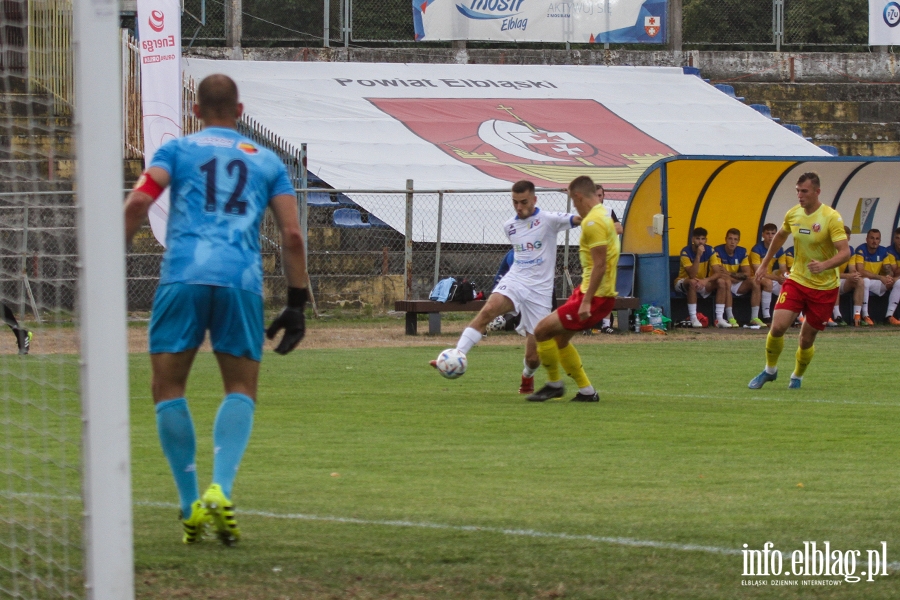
column 589, row 303
column 820, row 246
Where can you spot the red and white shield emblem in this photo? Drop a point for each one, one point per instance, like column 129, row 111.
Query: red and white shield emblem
column 816, row 227
column 651, row 25
column 549, row 141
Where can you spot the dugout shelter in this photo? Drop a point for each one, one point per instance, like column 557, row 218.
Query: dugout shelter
column 721, row 192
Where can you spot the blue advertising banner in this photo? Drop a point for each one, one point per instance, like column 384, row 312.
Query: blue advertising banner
column 575, row 21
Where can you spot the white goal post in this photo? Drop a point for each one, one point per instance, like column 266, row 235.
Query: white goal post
column 108, row 547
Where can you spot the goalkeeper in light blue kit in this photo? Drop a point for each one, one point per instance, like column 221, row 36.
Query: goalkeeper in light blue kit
column 211, row 278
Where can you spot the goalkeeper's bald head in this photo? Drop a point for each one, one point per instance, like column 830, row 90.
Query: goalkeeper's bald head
column 217, row 98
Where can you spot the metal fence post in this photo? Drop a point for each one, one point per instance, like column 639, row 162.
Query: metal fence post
column 675, row 25
column 566, row 277
column 778, row 23
column 304, row 202
column 345, row 22
column 407, row 257
column 437, row 246
column 327, row 24
column 24, row 266
column 234, row 27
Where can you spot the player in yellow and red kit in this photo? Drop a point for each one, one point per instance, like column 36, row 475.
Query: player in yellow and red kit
column 820, row 245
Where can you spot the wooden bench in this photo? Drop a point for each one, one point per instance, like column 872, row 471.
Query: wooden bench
column 414, row 308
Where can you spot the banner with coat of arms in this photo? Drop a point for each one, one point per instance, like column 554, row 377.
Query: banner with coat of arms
column 459, row 127
column 531, row 138
column 576, row 21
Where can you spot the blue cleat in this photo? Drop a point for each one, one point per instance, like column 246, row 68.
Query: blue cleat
column 794, row 383
column 761, row 379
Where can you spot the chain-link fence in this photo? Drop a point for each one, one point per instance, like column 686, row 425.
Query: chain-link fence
column 825, row 23
column 381, row 20
column 759, row 24
column 38, row 250
column 727, row 22
column 774, row 24
column 358, row 255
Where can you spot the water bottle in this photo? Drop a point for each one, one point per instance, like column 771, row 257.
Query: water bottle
column 637, row 323
column 654, row 317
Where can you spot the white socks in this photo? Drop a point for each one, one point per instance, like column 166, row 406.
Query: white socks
column 527, row 371
column 865, row 304
column 893, row 300
column 766, row 303
column 470, row 336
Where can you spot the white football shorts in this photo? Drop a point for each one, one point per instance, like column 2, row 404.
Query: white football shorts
column 680, row 287
column 876, row 287
column 532, row 307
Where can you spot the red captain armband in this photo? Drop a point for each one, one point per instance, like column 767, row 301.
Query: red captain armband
column 147, row 185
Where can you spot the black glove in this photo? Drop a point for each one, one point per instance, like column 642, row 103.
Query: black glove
column 292, row 319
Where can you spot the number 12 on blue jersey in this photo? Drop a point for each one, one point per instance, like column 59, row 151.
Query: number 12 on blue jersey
column 234, row 206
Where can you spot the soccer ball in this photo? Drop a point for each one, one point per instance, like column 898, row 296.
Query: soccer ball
column 451, row 363
column 497, row 324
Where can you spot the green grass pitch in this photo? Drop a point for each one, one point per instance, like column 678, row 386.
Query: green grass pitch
column 369, row 476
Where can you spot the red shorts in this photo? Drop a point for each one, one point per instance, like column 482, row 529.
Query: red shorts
column 815, row 304
column 601, row 306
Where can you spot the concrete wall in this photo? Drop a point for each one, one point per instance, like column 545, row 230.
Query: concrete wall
column 799, row 67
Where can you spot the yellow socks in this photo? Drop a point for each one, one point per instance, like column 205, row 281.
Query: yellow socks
column 804, row 357
column 571, row 362
column 774, row 346
column 549, row 354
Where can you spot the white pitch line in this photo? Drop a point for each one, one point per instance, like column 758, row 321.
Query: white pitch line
column 738, row 398
column 531, row 533
column 620, row 541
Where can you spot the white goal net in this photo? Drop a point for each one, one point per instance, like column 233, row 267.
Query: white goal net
column 50, row 423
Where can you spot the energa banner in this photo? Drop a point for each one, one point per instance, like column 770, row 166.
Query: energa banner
column 576, row 21
column 884, row 18
column 159, row 32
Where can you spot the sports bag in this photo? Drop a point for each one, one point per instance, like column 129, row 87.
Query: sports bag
column 444, row 290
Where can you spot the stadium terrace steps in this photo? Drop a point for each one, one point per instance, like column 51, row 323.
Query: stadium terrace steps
column 828, row 131
column 822, row 110
column 24, row 105
column 859, row 119
column 35, row 143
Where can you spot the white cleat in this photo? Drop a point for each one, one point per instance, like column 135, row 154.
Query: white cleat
column 696, row 323
column 723, row 324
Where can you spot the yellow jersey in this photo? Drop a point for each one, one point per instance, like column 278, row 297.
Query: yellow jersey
column 759, row 251
column 814, row 238
column 708, row 260
column 732, row 263
column 873, row 262
column 597, row 229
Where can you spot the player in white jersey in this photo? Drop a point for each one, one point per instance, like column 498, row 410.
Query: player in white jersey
column 527, row 288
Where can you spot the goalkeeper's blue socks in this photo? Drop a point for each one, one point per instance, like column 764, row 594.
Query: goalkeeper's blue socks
column 176, row 435
column 231, row 433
